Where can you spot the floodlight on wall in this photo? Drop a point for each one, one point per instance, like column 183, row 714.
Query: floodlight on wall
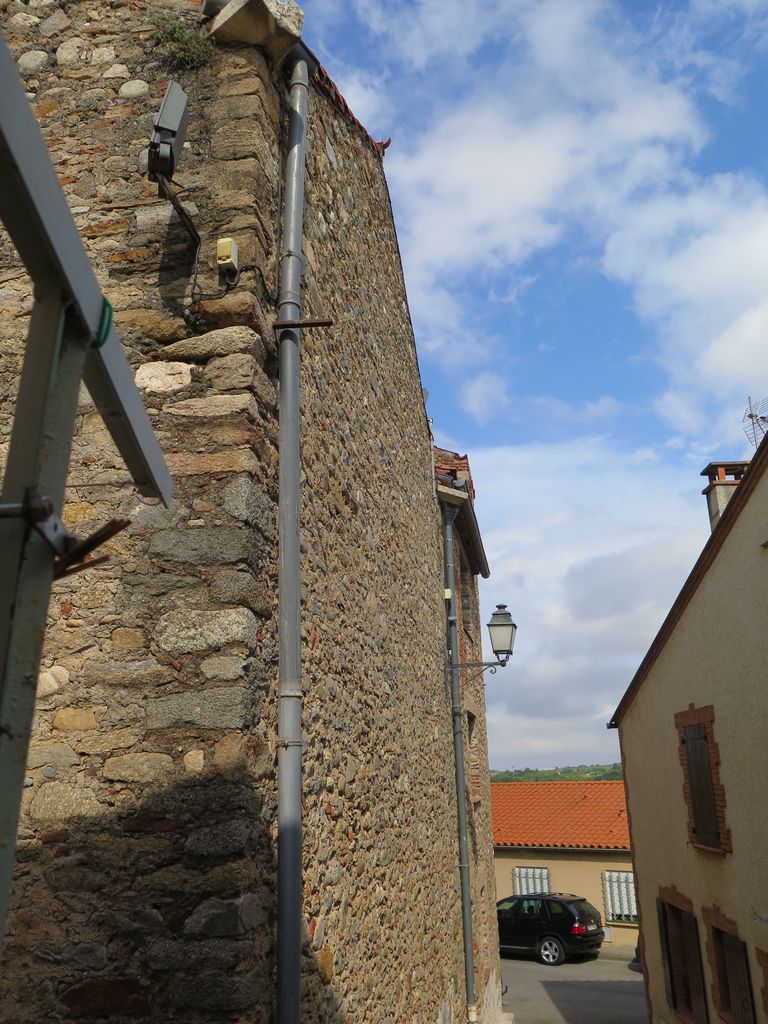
column 169, row 134
column 165, row 148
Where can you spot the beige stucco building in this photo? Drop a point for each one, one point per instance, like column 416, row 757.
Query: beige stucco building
column 692, row 727
column 567, row 837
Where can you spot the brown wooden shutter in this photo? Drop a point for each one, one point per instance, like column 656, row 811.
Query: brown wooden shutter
column 694, row 969
column 700, row 785
column 665, row 957
column 739, row 985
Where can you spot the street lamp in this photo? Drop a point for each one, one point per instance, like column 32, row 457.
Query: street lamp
column 502, row 631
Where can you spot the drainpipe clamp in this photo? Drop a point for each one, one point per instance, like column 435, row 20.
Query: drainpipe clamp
column 280, row 325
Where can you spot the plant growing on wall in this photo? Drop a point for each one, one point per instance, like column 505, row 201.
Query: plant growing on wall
column 180, row 43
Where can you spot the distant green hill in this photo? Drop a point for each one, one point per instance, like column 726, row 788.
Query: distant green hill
column 580, row 773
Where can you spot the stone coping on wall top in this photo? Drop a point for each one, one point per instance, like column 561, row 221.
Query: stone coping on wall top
column 275, row 26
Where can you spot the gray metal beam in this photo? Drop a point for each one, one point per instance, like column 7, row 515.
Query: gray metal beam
column 110, row 384
column 46, row 407
column 70, row 339
column 36, row 215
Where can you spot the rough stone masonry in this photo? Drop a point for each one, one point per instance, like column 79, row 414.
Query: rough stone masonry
column 145, row 883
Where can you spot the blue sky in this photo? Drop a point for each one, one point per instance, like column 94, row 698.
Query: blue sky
column 581, row 194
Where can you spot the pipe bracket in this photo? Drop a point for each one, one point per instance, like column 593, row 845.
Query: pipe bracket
column 280, row 325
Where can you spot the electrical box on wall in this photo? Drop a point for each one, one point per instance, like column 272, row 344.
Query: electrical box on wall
column 227, row 258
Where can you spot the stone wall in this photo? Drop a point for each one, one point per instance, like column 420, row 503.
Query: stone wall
column 145, row 878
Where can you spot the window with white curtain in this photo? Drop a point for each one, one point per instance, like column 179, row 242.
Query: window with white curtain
column 619, row 896
column 527, row 880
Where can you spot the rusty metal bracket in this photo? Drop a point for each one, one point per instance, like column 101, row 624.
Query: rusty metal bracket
column 38, row 512
column 78, row 557
column 72, row 553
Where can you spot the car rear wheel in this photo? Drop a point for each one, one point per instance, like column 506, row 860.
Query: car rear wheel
column 551, row 951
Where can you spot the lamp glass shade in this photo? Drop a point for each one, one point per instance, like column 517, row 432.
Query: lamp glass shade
column 502, row 630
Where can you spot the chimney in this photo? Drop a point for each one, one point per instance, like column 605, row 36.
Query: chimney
column 724, row 478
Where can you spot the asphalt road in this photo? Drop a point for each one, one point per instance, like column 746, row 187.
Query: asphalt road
column 577, row 992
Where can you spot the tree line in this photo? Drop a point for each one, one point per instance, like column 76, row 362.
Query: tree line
column 573, row 773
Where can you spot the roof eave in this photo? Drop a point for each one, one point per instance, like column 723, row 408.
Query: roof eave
column 562, row 849
column 474, row 541
column 468, row 528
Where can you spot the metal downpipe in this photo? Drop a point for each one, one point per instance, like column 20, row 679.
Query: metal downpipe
column 289, row 884
column 449, row 516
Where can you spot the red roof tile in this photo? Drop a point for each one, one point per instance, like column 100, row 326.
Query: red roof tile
column 586, row 815
column 448, row 463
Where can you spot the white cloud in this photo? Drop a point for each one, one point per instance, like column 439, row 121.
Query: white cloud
column 696, row 254
column 723, row 7
column 569, row 131
column 641, row 455
column 600, row 410
column 583, row 123
column 420, row 32
column 698, row 266
column 515, row 290
column 588, row 131
column 585, row 120
column 738, row 357
column 522, row 741
column 483, row 396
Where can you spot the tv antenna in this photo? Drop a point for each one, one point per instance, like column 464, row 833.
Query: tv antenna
column 756, row 421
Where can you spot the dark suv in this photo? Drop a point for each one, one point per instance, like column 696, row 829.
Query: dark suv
column 549, row 924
